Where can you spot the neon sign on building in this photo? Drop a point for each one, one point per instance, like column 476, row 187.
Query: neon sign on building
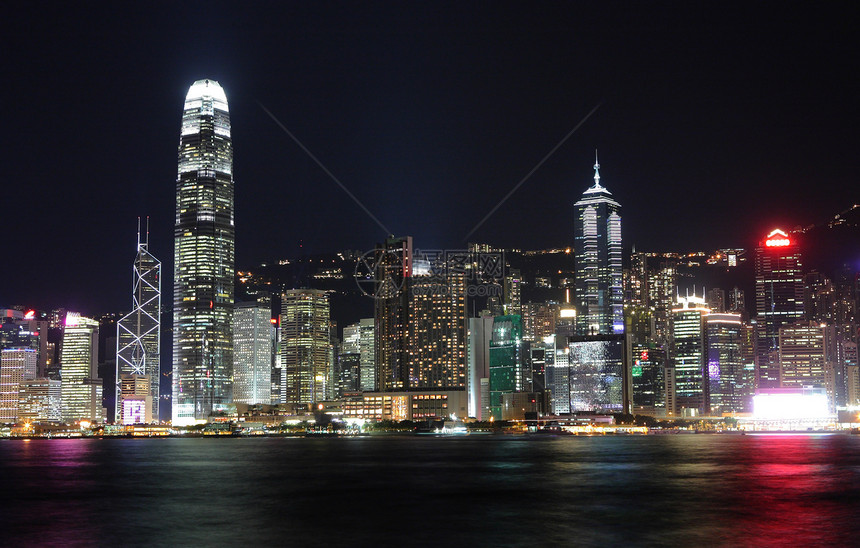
column 777, row 238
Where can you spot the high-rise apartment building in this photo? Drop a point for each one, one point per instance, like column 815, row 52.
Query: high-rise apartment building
column 138, row 333
column 253, row 346
column 81, row 397
column 204, row 239
column 779, row 300
column 597, row 249
column 305, row 341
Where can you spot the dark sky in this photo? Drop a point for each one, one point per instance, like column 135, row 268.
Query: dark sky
column 718, row 121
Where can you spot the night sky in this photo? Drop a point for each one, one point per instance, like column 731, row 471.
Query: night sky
column 717, row 122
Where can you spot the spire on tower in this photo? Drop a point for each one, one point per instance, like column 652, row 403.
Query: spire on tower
column 596, row 170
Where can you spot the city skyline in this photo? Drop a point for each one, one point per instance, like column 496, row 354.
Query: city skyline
column 403, row 106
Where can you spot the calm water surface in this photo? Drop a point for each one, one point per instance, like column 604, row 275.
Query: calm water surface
column 678, row 490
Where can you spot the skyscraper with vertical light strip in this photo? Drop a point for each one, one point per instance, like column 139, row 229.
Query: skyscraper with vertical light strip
column 203, row 258
column 597, row 252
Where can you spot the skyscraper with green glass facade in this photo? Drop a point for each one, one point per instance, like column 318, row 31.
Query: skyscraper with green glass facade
column 509, row 367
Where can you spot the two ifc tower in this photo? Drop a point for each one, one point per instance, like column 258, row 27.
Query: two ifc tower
column 204, row 260
column 204, row 243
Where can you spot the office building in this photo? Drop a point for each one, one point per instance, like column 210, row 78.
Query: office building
column 478, row 376
column 23, row 329
column 39, row 400
column 599, row 381
column 367, row 350
column 597, row 249
column 305, row 341
column 16, row 366
column 81, row 398
column 726, row 384
column 648, row 372
column 204, row 240
column 509, row 367
column 138, row 333
column 779, row 300
column 253, row 346
column 806, row 351
column 688, row 355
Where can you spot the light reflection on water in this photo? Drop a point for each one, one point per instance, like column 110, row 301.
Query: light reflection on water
column 477, row 490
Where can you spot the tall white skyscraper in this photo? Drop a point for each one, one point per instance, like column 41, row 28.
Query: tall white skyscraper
column 253, row 345
column 138, row 333
column 204, row 240
column 598, row 258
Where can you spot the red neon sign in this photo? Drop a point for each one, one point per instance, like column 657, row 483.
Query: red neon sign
column 777, row 238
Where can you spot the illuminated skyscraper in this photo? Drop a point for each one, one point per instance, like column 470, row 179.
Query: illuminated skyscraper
column 391, row 286
column 687, row 356
column 726, row 387
column 305, row 340
column 138, row 333
column 254, row 343
column 778, row 299
column 436, row 332
column 368, row 355
column 203, row 258
column 509, row 367
column 81, row 397
column 597, row 248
